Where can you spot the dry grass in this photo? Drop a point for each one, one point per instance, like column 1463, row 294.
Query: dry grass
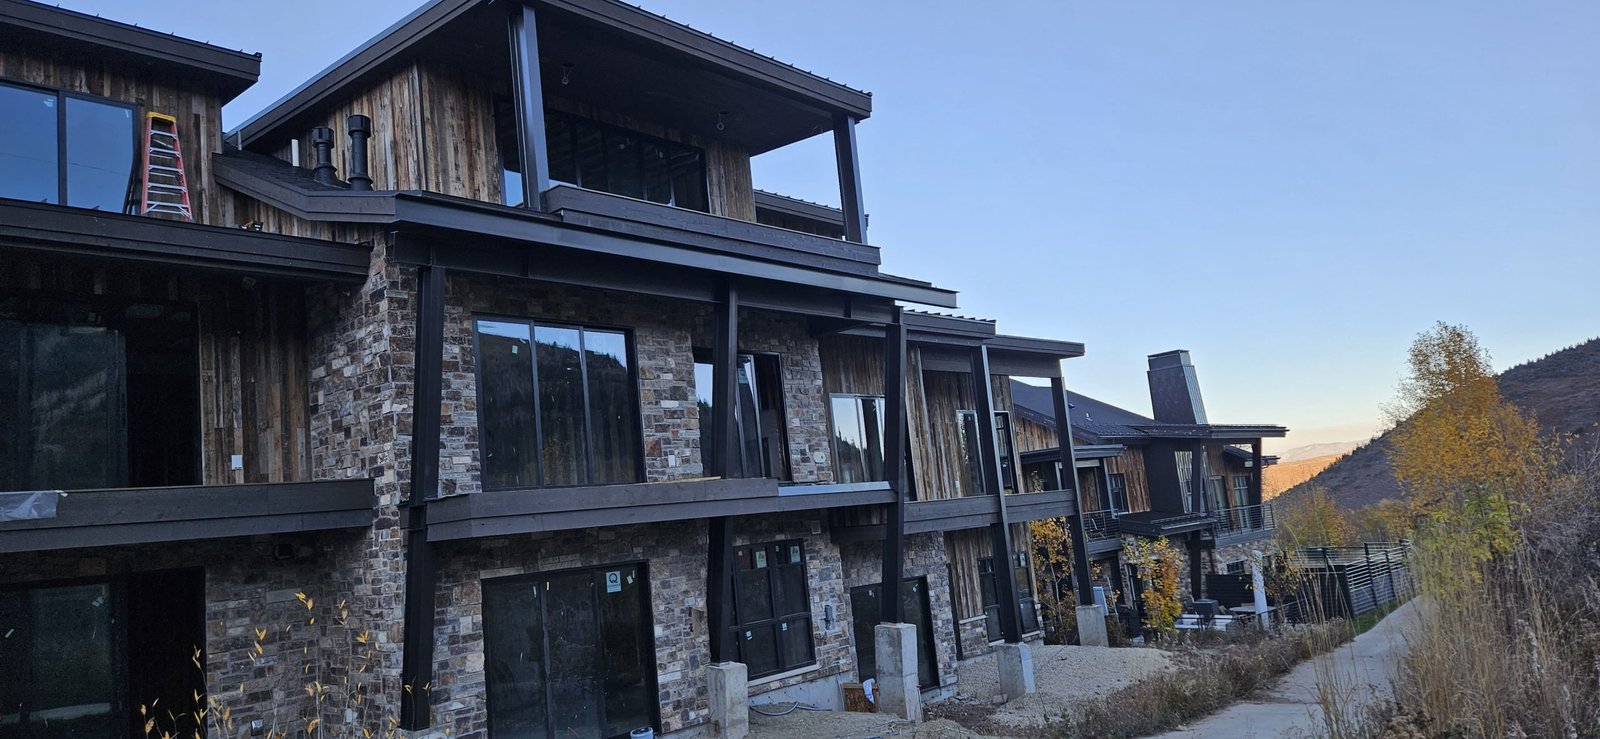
column 1218, row 670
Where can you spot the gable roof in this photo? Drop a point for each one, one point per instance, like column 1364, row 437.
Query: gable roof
column 1098, row 421
column 71, row 33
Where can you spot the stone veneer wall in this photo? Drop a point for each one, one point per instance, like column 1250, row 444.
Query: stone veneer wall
column 674, row 554
column 925, row 556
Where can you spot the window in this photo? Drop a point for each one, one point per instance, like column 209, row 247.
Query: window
column 970, row 482
column 1217, row 489
column 61, row 148
column 1185, row 462
column 1117, row 490
column 1008, row 465
column 758, row 416
column 569, row 653
column 557, row 406
column 858, row 437
column 609, row 159
column 1241, row 491
column 1028, row 611
column 97, row 393
column 772, row 609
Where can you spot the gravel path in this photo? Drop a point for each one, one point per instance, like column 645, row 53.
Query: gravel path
column 1064, row 675
column 1360, row 672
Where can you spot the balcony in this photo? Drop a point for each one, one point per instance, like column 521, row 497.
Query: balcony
column 1245, row 523
column 125, row 516
column 658, row 222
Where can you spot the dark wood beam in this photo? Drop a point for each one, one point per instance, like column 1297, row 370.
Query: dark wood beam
column 1080, row 538
column 894, row 465
column 719, row 590
column 849, row 159
column 530, row 105
column 724, row 395
column 1255, row 473
column 416, row 668
column 1197, row 479
column 1000, row 531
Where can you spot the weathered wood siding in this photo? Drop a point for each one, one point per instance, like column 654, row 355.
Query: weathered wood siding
column 1089, row 495
column 1130, row 463
column 945, row 475
column 199, row 113
column 252, row 354
column 1032, row 435
column 964, row 549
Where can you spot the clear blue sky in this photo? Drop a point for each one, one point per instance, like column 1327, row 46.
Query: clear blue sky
column 1289, row 190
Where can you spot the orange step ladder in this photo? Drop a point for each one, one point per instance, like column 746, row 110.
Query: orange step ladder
column 166, row 188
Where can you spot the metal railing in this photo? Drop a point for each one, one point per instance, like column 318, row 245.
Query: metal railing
column 1245, row 519
column 1100, row 525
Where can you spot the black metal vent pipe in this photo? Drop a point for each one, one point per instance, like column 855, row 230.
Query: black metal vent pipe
column 360, row 128
column 322, row 145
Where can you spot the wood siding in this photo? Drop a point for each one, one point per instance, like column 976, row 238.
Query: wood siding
column 252, row 355
column 199, row 113
column 1089, row 495
column 1130, row 463
column 1032, row 435
column 942, row 472
column 964, row 549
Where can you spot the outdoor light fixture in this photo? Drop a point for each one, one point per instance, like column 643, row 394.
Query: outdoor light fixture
column 721, row 126
column 566, row 73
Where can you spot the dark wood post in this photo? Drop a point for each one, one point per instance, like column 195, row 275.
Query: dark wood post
column 894, row 465
column 1005, row 580
column 1075, row 527
column 724, row 395
column 416, row 667
column 844, row 149
column 530, row 105
column 1255, row 475
column 1197, row 480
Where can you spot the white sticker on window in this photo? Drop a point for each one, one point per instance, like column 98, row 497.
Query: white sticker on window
column 761, row 558
column 614, row 581
column 794, row 553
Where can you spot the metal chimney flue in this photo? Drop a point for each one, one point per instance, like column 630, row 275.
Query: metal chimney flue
column 322, row 146
column 1175, row 389
column 360, row 128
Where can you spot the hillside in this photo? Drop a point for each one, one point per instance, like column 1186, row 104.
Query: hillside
column 1561, row 389
column 1324, row 449
column 1284, row 475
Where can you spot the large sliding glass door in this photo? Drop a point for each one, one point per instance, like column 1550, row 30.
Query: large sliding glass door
column 570, row 654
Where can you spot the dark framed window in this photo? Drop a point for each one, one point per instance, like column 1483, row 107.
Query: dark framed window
column 557, row 405
column 758, row 416
column 1007, row 451
column 866, row 611
column 1241, row 491
column 858, row 437
column 970, row 481
column 1117, row 491
column 597, row 156
column 59, row 147
column 1027, row 607
column 570, row 653
column 772, row 608
column 97, row 393
column 1217, row 490
column 81, row 657
column 1185, row 462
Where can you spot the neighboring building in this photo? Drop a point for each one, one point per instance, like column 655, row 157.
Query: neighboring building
column 1176, row 475
column 488, row 356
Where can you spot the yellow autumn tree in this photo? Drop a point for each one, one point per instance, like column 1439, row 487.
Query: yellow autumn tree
column 1052, row 574
column 1158, row 564
column 1314, row 520
column 1464, row 455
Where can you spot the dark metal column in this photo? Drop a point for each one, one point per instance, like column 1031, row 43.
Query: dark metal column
column 844, row 149
column 1255, row 474
column 530, row 106
column 894, row 465
column 416, row 669
column 1080, row 538
column 1197, row 479
column 1005, row 580
column 724, row 394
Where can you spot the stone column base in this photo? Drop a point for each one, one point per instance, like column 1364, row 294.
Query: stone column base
column 896, row 648
column 1016, row 669
column 729, row 691
column 1092, row 627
